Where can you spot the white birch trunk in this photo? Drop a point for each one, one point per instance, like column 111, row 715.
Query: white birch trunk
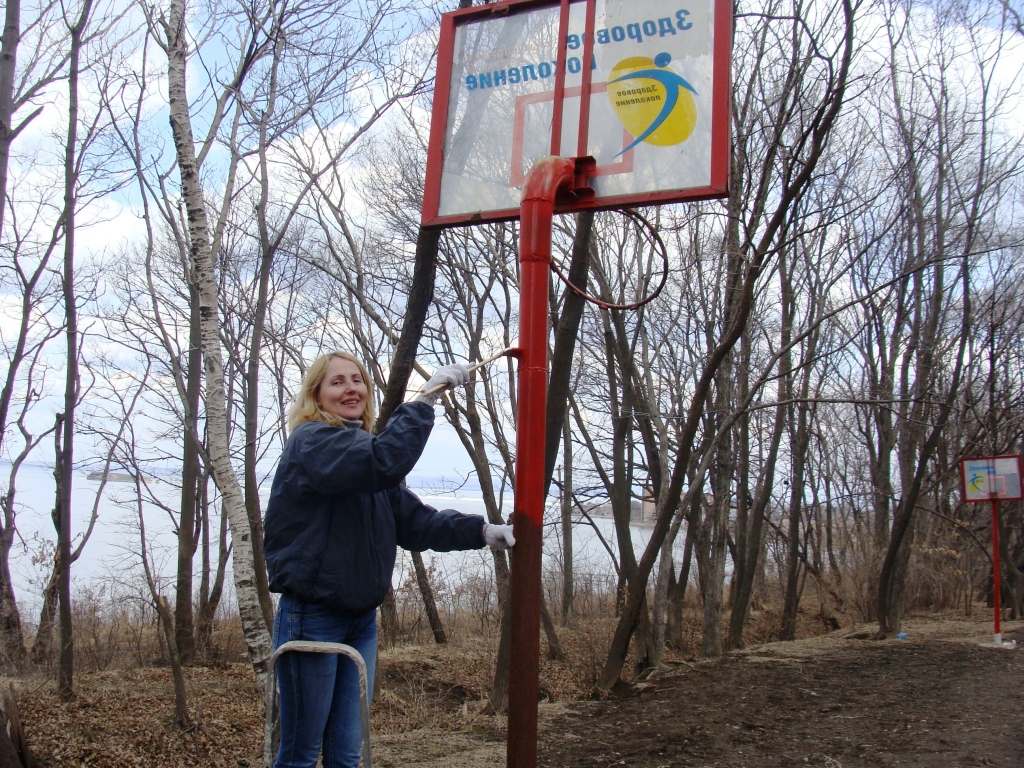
column 254, row 626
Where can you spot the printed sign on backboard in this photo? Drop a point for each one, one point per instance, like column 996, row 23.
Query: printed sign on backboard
column 991, row 477
column 658, row 122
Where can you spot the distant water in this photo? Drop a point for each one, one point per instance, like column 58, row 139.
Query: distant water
column 110, row 558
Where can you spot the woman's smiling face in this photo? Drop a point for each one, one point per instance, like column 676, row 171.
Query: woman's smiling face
column 342, row 392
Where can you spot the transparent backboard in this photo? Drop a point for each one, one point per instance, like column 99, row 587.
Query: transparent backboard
column 658, row 121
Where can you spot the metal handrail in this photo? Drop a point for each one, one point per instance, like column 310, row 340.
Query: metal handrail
column 307, row 646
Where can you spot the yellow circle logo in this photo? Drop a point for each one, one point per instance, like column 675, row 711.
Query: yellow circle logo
column 653, row 103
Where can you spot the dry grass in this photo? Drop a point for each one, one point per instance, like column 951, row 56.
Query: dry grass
column 125, row 719
column 428, row 706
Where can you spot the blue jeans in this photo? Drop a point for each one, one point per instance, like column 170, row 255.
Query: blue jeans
column 320, row 691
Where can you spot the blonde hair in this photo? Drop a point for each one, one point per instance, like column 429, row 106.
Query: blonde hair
column 305, row 406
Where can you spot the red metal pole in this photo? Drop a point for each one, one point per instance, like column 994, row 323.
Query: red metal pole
column 582, row 147
column 996, row 588
column 545, row 179
column 559, row 97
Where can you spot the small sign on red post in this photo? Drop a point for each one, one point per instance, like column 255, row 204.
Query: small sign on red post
column 993, row 479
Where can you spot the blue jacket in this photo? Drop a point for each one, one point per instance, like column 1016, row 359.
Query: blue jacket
column 338, row 509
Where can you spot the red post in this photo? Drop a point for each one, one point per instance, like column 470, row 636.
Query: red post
column 582, row 147
column 545, row 180
column 558, row 102
column 996, row 588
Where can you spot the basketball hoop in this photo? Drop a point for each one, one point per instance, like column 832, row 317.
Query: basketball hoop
column 558, row 106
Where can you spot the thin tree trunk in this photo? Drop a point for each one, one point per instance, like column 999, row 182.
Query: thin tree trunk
column 389, row 620
column 268, row 249
column 881, row 468
column 791, row 603
column 190, row 467
column 181, row 716
column 1010, row 575
column 255, row 622
column 563, row 352
column 567, row 553
column 899, row 573
column 659, row 611
column 65, row 462
column 833, row 563
column 667, row 614
column 887, row 611
column 8, row 70
column 677, row 595
column 621, row 483
column 11, row 631
column 798, row 457
column 721, row 483
column 714, row 582
column 742, row 454
column 420, row 295
column 10, row 617
column 209, row 600
column 252, row 498
column 498, row 698
column 165, row 618
column 201, row 632
column 702, row 543
column 42, row 646
column 555, row 651
column 755, row 539
column 428, row 599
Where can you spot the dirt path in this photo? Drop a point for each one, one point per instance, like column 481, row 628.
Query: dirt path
column 831, row 702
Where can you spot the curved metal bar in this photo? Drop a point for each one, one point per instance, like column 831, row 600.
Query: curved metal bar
column 654, row 239
column 308, row 646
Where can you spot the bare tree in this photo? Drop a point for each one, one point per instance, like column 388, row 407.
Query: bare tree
column 815, row 121
column 65, row 452
column 13, row 641
column 949, row 186
column 29, row 240
column 25, row 85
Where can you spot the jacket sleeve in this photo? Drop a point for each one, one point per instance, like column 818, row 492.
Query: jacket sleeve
column 354, row 461
column 419, row 526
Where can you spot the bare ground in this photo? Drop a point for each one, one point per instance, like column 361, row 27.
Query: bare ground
column 938, row 699
column 836, row 701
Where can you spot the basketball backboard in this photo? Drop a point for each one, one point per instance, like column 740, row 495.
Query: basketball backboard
column 991, row 477
column 657, row 91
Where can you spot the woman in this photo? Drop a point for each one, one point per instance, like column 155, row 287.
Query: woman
column 337, row 511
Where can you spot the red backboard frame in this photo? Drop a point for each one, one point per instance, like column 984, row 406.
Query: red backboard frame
column 720, row 117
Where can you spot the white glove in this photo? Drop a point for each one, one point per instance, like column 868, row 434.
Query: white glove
column 445, row 377
column 499, row 536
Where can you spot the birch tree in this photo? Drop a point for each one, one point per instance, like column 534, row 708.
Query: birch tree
column 255, row 622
